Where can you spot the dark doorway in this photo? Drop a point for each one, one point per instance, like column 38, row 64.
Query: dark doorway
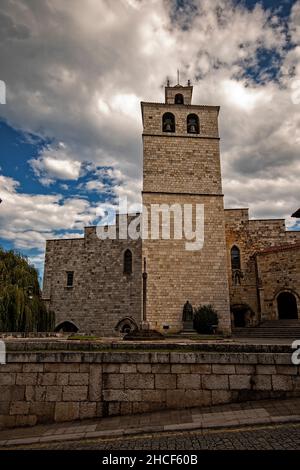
column 287, row 306
column 239, row 317
column 66, row 327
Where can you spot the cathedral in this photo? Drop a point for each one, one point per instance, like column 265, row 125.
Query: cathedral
column 248, row 270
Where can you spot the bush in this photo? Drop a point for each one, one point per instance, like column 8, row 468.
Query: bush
column 205, row 319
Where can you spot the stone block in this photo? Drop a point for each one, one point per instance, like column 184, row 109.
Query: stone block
column 111, row 368
column 190, row 381
column 62, row 378
column 113, row 381
column 8, row 378
column 240, row 382
column 215, row 382
column 139, row 381
column 26, row 378
column 125, row 408
column 78, row 378
column 66, row 411
column 128, row 368
column 200, row 368
column 144, row 368
column 114, row 409
column 153, row 395
column 220, row 396
column 75, row 393
column 165, row 381
column 282, row 382
column 223, row 369
column 161, row 368
column 197, row 398
column 95, row 383
column 182, row 368
column 121, row 395
column 54, row 393
column 287, row 370
column 12, row 392
column 262, row 382
column 40, row 393
column 87, row 410
column 19, row 408
column 33, row 367
column 48, row 378
column 43, row 410
column 265, row 369
column 245, row 369
column 25, row 420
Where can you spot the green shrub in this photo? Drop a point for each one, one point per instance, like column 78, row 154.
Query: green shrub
column 205, row 319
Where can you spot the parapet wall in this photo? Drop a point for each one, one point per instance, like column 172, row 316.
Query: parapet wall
column 49, row 386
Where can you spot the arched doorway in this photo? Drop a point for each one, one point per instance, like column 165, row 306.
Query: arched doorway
column 66, row 327
column 287, row 306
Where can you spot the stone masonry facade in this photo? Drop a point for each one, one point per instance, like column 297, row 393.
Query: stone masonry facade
column 180, row 166
column 51, row 386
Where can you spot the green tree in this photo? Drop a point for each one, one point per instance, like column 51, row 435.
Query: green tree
column 21, row 307
column 205, row 319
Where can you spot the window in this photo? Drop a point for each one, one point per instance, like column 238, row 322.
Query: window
column 192, row 124
column 168, row 122
column 179, row 99
column 127, row 262
column 235, row 258
column 70, row 278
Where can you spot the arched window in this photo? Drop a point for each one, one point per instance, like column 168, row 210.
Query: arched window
column 235, row 258
column 179, row 99
column 127, row 262
column 168, row 122
column 192, row 124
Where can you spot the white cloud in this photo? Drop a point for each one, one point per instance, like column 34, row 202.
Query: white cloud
column 55, row 163
column 28, row 220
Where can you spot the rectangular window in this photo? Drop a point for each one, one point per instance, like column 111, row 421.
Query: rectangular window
column 70, row 278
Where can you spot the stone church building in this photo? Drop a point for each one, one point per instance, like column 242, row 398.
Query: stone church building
column 248, row 270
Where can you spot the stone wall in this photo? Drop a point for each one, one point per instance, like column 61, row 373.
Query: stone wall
column 101, row 294
column 251, row 237
column 176, row 275
column 278, row 271
column 44, row 387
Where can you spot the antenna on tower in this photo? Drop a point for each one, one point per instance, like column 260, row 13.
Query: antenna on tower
column 177, row 76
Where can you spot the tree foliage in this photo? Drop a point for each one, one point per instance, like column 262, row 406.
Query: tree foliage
column 205, row 319
column 21, row 307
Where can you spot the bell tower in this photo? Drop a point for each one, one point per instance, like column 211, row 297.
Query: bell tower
column 181, row 166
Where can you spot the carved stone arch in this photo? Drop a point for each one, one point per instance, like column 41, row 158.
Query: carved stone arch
column 126, row 325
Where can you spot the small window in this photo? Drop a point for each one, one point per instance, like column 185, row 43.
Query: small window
column 127, row 262
column 179, row 99
column 70, row 278
column 192, row 124
column 168, row 122
column 235, row 258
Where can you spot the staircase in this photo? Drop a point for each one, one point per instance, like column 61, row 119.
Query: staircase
column 289, row 329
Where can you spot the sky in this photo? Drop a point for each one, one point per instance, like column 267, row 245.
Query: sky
column 70, row 131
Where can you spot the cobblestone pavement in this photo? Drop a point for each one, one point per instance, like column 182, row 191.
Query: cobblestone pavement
column 283, row 437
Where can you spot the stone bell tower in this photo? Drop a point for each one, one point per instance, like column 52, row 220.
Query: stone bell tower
column 181, row 166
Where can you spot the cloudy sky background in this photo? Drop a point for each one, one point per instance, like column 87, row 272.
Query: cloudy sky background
column 70, row 132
